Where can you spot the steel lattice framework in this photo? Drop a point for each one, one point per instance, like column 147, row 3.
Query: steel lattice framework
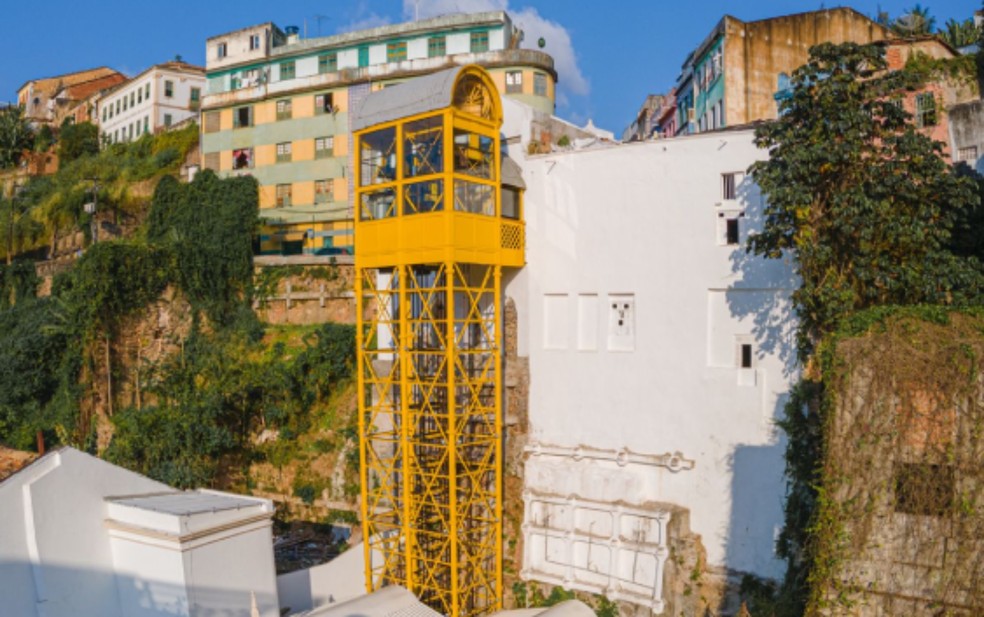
column 431, row 243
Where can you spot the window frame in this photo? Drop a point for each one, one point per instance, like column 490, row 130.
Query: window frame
column 168, row 89
column 479, row 42
column 285, row 109
column 328, row 63
column 285, row 152
column 324, row 108
column 396, row 51
column 437, row 46
column 327, row 149
column 926, row 116
column 514, row 82
column 328, row 192
column 288, row 70
column 283, row 195
column 237, row 122
column 540, row 87
column 221, row 50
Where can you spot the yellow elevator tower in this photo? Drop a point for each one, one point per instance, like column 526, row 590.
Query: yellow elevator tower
column 434, row 228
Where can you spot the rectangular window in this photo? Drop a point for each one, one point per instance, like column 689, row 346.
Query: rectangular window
column 283, row 195
column 924, row 489
column 324, row 147
column 730, row 183
column 745, row 352
column 514, row 82
column 194, row 99
column 147, row 91
column 285, row 109
column 167, row 119
column 322, row 191
column 323, row 104
column 212, row 122
column 242, row 158
column 925, row 109
column 168, row 89
column 104, row 114
column 283, row 152
column 539, row 84
column 242, row 116
column 139, row 95
column 146, row 124
column 254, row 41
column 124, row 103
column 328, row 63
column 731, row 231
column 133, row 99
column 479, row 42
column 211, row 161
column 221, row 50
column 437, row 46
column 287, row 70
column 396, row 52
column 968, row 154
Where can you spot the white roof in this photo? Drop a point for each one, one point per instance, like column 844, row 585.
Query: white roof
column 184, row 503
column 392, row 601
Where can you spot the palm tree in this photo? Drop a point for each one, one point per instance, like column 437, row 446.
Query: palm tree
column 960, row 33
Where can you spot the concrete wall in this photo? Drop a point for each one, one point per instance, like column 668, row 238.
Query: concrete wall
column 341, row 579
column 54, row 557
column 639, row 228
column 756, row 52
column 967, row 133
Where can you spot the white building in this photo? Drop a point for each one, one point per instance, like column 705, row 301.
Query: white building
column 660, row 356
column 80, row 537
column 162, row 96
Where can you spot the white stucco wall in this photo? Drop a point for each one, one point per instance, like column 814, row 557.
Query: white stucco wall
column 639, row 225
column 54, row 556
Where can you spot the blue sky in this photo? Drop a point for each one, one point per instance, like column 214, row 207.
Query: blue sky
column 609, row 54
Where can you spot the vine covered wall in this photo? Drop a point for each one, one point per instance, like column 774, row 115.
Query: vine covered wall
column 900, row 521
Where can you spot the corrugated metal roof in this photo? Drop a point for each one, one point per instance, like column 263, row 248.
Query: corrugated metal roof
column 185, row 503
column 417, row 96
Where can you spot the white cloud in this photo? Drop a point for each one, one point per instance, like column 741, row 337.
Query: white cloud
column 571, row 81
column 361, row 18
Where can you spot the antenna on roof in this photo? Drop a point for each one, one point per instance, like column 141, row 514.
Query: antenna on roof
column 318, row 19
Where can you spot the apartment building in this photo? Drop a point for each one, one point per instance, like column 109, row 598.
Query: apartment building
column 50, row 100
column 161, row 96
column 277, row 107
column 733, row 76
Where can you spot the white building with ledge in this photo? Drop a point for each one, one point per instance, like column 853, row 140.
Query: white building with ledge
column 160, row 97
column 661, row 355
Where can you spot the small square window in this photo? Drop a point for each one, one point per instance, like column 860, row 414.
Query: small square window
column 479, row 42
column 221, row 50
column 168, row 89
column 514, row 82
column 284, row 152
column 285, row 109
column 324, row 147
column 322, row 191
column 242, row 158
column 242, row 116
column 287, row 70
column 283, row 195
column 254, row 41
column 328, row 63
column 396, row 52
column 437, row 46
column 968, row 154
column 539, row 84
column 323, row 104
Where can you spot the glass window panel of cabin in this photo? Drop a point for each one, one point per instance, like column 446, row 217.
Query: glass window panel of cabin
column 423, row 147
column 377, row 157
column 473, row 154
column 421, row 197
column 473, row 197
column 377, row 205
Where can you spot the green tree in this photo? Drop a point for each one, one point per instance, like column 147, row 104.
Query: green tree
column 863, row 201
column 867, row 207
column 15, row 136
column 77, row 140
column 960, row 33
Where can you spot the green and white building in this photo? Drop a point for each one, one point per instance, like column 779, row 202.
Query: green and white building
column 277, row 107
